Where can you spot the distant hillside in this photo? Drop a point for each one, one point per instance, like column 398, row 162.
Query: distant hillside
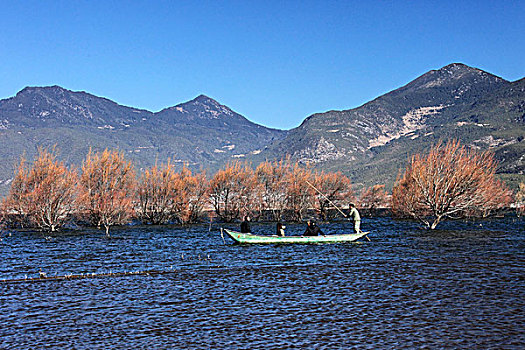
column 372, row 142
column 213, row 134
column 201, row 133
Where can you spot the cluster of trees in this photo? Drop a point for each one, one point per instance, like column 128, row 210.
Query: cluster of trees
column 106, row 191
column 275, row 189
column 451, row 181
column 46, row 194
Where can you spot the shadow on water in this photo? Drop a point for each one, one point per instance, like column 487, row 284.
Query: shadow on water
column 458, row 287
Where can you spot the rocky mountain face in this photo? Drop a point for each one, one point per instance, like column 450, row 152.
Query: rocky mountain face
column 372, row 142
column 215, row 133
column 35, row 107
column 200, row 133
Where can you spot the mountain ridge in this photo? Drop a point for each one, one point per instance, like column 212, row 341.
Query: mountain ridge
column 432, row 104
column 205, row 136
column 371, row 142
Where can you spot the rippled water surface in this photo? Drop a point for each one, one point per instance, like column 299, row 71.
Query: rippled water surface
column 460, row 287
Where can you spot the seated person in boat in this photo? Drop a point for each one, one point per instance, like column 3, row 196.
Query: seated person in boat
column 312, row 229
column 245, row 225
column 280, row 229
column 354, row 214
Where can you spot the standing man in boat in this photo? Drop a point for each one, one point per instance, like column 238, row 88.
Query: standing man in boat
column 354, row 214
column 312, row 229
column 245, row 225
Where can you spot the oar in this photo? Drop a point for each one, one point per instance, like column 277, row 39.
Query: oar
column 328, row 199
column 222, row 235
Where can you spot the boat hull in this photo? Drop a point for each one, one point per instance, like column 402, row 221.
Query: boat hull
column 249, row 238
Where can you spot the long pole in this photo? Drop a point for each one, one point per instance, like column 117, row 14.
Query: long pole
column 328, row 199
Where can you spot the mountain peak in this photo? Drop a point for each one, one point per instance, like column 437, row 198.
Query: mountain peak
column 203, row 103
column 42, row 89
column 452, row 76
column 38, row 106
column 458, row 66
column 459, row 70
column 202, row 108
column 203, row 99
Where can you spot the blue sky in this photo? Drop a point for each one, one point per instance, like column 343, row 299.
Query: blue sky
column 275, row 62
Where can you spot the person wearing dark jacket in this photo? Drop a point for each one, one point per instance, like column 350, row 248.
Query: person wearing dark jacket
column 245, row 225
column 312, row 229
column 280, row 229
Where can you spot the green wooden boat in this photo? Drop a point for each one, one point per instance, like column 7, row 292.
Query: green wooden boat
column 249, row 238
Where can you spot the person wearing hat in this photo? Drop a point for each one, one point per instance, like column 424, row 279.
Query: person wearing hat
column 312, row 229
column 354, row 214
column 245, row 225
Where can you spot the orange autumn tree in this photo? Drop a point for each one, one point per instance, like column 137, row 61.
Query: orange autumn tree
column 299, row 194
column 197, row 187
column 272, row 180
column 182, row 195
column 14, row 207
column 373, row 197
column 497, row 196
column 231, row 191
column 42, row 196
column 331, row 189
column 449, row 182
column 166, row 195
column 191, row 195
column 520, row 199
column 107, row 188
column 158, row 190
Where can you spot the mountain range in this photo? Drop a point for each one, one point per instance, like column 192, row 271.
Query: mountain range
column 373, row 142
column 201, row 133
column 370, row 143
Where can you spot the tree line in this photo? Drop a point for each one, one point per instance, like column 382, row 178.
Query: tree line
column 106, row 191
column 451, row 181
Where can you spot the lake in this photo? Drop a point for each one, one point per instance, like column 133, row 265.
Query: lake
column 462, row 286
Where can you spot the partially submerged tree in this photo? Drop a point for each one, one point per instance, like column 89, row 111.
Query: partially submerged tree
column 373, row 197
column 158, row 190
column 231, row 191
column 450, row 182
column 43, row 195
column 15, row 206
column 197, row 187
column 107, row 186
column 190, row 194
column 299, row 194
column 331, row 189
column 497, row 196
column 272, row 180
column 520, row 200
